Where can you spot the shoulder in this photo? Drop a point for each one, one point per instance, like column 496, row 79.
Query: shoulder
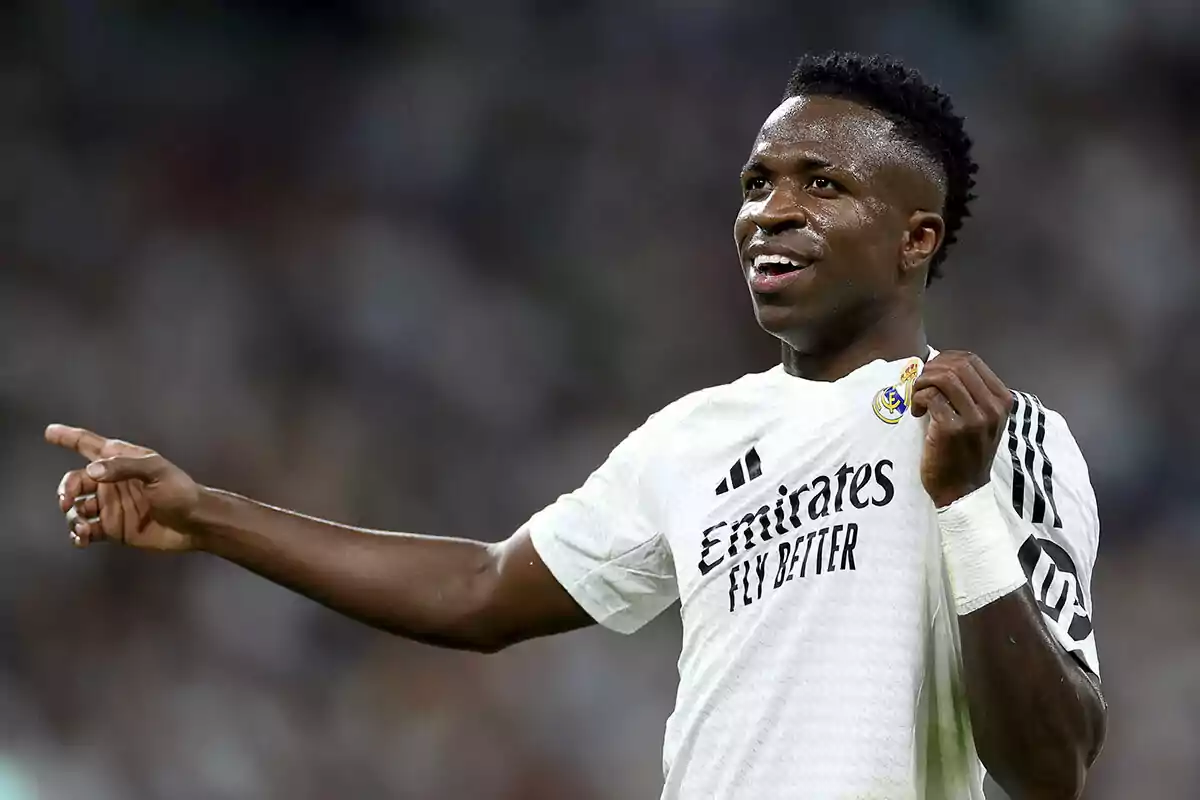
column 691, row 426
column 711, row 403
column 1035, row 431
column 1043, row 468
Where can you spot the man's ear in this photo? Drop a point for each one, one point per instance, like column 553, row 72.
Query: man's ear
column 922, row 240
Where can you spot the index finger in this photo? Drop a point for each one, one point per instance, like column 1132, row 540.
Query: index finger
column 81, row 440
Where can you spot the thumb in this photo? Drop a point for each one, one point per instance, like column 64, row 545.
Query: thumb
column 148, row 468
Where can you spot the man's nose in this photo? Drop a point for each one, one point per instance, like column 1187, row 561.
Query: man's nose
column 780, row 211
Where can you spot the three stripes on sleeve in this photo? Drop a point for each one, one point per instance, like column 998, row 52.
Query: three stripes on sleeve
column 1026, row 438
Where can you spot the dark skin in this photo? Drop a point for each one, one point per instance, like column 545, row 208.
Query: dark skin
column 829, row 184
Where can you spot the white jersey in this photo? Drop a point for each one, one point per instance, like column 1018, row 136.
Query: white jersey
column 820, row 650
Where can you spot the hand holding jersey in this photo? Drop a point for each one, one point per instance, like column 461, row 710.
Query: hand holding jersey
column 969, row 407
column 989, row 544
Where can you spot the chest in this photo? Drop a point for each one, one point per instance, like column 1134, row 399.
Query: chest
column 797, row 502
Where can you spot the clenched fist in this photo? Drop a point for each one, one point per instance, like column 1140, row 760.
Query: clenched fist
column 127, row 494
column 968, row 408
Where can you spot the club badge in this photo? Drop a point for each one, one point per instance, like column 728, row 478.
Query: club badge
column 891, row 402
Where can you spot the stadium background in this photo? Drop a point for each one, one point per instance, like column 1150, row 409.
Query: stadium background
column 420, row 265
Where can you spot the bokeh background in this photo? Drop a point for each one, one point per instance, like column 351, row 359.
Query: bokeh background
column 420, row 265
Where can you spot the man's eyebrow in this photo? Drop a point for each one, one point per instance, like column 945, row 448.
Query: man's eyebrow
column 804, row 161
column 753, row 165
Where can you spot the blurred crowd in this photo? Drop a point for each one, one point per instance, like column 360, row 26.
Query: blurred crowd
column 420, row 265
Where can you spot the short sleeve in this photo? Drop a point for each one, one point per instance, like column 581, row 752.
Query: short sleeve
column 603, row 543
column 1042, row 484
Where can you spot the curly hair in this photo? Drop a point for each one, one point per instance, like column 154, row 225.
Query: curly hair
column 922, row 112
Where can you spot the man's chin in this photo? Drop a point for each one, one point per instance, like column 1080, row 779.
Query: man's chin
column 798, row 327
column 777, row 319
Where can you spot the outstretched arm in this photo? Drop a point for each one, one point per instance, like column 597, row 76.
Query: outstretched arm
column 1037, row 717
column 447, row 592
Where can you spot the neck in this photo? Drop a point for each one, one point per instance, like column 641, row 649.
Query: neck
column 888, row 338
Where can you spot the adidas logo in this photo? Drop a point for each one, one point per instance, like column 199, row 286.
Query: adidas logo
column 745, row 469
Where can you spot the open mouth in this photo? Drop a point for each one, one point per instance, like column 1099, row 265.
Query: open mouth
column 776, row 265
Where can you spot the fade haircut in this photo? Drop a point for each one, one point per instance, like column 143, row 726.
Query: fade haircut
column 922, row 113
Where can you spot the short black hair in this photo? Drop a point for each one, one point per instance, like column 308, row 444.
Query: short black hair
column 921, row 111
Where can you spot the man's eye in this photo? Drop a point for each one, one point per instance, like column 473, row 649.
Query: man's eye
column 754, row 183
column 823, row 185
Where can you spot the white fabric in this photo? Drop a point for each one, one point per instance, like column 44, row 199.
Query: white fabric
column 820, row 650
column 979, row 552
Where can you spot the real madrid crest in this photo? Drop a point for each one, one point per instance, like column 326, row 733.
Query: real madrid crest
column 891, row 402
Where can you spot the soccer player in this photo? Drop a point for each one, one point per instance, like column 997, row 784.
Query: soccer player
column 882, row 554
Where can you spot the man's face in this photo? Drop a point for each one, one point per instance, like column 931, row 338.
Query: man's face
column 825, row 211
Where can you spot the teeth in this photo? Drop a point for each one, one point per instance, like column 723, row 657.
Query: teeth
column 760, row 261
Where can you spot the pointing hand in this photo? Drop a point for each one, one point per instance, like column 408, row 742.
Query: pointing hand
column 126, row 494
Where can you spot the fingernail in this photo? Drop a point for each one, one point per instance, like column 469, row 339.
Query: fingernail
column 95, row 470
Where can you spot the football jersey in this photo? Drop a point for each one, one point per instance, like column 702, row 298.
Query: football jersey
column 820, row 654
